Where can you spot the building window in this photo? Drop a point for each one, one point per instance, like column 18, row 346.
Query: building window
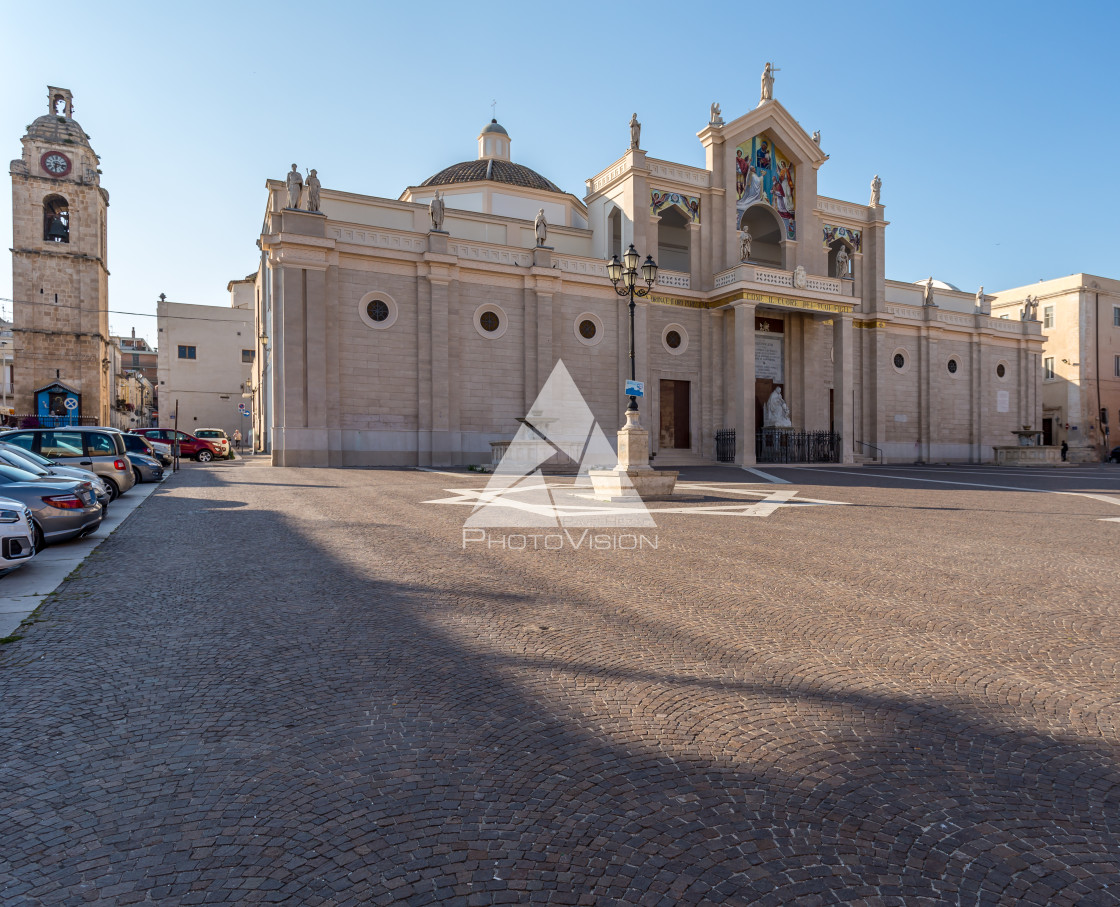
column 1048, row 368
column 377, row 310
column 490, row 321
column 953, row 365
column 1048, row 317
column 674, row 338
column 1116, row 366
column 136, row 360
column 187, row 352
column 248, row 355
column 588, row 329
column 1116, row 316
column 899, row 361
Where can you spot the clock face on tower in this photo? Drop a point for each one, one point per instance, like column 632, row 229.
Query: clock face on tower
column 55, row 163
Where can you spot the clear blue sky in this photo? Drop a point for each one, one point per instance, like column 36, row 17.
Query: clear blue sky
column 993, row 125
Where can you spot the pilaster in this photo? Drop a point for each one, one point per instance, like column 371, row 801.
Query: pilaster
column 842, row 383
column 743, row 392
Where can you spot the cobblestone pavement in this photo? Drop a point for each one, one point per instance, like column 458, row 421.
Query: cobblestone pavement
column 298, row 686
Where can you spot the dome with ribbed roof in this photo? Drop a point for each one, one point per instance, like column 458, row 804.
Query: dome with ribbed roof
column 58, row 130
column 494, row 170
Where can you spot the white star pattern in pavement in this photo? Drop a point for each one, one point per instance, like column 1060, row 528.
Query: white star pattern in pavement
column 763, row 502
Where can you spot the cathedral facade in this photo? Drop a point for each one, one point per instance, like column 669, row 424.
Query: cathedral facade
column 60, row 275
column 419, row 330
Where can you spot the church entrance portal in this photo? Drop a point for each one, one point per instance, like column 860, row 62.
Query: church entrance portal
column 675, row 415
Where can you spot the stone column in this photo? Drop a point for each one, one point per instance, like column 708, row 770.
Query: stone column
column 842, row 382
column 743, row 393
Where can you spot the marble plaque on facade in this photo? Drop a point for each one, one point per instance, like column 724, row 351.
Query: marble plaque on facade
column 1003, row 401
column 768, row 357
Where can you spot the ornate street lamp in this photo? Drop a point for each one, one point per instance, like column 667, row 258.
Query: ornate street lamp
column 626, row 273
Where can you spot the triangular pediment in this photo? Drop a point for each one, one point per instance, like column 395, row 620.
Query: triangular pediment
column 57, row 387
column 772, row 117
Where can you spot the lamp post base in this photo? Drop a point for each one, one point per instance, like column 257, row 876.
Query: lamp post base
column 633, row 478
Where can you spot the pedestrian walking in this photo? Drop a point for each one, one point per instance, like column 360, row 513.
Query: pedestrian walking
column 1065, row 450
column 237, row 438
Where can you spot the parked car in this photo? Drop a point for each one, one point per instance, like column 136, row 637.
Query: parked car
column 189, row 446
column 145, row 469
column 60, row 508
column 99, row 449
column 17, row 535
column 134, row 443
column 218, row 438
column 26, row 460
column 1114, row 455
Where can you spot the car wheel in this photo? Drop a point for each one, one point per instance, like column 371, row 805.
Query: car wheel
column 204, row 456
column 139, row 476
column 114, row 491
column 39, row 541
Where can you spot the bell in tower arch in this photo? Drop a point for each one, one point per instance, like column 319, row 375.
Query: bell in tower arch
column 56, row 219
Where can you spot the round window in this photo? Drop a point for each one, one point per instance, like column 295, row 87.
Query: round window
column 377, row 310
column 587, row 329
column 489, row 321
column 673, row 340
column 899, row 360
column 952, row 366
column 1001, row 370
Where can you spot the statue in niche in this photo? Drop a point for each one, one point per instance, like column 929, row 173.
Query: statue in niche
column 876, row 185
column 842, row 259
column 313, row 187
column 817, row 137
column 295, row 186
column 745, row 244
column 715, row 118
column 540, row 227
column 768, row 83
column 775, row 414
column 435, row 211
column 635, row 131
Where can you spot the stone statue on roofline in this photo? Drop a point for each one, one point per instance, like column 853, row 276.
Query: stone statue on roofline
column 817, row 137
column 876, row 185
column 767, row 83
column 435, row 211
column 540, row 227
column 928, row 296
column 635, row 131
column 715, row 118
column 295, row 186
column 980, row 300
column 313, row 187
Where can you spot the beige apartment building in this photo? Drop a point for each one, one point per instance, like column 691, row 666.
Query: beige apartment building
column 1080, row 317
column 205, row 363
column 410, row 331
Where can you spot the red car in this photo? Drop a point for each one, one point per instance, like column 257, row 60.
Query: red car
column 189, row 446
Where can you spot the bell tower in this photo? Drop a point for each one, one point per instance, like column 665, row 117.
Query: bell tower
column 60, row 276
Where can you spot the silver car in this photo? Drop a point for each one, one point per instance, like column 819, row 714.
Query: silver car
column 60, row 508
column 146, row 469
column 99, row 449
column 17, row 534
column 40, row 466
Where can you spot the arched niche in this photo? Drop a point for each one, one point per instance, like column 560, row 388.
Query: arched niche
column 834, row 248
column 674, row 240
column 614, row 233
column 56, row 219
column 767, row 235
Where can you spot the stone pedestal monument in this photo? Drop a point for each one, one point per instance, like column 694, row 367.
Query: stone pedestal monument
column 633, row 478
